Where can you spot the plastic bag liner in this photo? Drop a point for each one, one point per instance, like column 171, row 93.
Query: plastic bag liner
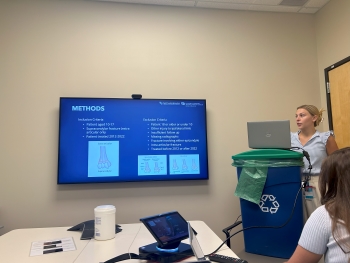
column 255, row 165
column 268, row 163
column 251, row 183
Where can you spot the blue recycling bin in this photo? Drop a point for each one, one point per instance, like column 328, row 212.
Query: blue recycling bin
column 280, row 201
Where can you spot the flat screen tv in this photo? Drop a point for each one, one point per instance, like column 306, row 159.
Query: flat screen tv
column 104, row 140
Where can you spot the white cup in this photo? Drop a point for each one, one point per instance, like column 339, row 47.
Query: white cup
column 104, row 222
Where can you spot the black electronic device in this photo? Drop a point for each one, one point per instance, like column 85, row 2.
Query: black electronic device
column 153, row 253
column 225, row 259
column 169, row 229
column 88, row 229
column 136, row 96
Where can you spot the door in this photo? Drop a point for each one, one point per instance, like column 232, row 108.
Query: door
column 338, row 98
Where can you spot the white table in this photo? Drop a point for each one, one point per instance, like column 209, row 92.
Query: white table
column 15, row 245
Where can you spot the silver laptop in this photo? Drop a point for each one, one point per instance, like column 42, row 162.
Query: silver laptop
column 269, row 134
column 196, row 248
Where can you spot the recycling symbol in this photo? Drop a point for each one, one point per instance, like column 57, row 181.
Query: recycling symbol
column 268, row 203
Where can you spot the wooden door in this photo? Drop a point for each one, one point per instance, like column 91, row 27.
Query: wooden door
column 339, row 90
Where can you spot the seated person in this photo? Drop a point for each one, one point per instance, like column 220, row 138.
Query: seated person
column 327, row 230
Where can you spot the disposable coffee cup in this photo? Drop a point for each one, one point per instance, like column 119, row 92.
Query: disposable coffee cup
column 104, row 222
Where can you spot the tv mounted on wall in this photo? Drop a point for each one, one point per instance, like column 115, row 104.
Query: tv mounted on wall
column 103, row 140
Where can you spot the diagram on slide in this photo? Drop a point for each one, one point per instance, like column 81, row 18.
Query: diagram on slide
column 184, row 164
column 103, row 158
column 152, row 165
column 103, row 162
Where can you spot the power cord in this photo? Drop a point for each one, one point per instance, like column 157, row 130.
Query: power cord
column 123, row 257
column 150, row 257
column 235, row 222
column 307, row 156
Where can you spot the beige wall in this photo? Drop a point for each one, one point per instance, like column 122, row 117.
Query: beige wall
column 333, row 40
column 248, row 65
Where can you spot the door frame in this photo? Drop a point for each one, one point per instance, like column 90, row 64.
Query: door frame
column 328, row 95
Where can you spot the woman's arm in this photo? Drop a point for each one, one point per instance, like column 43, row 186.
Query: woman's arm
column 314, row 238
column 331, row 145
column 301, row 255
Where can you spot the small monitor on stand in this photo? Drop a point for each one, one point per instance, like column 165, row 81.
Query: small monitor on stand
column 168, row 229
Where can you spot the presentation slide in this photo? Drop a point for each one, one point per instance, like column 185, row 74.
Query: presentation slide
column 115, row 140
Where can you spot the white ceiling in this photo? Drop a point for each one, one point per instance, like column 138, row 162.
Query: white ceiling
column 293, row 6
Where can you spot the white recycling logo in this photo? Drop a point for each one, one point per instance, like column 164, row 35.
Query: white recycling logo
column 265, row 200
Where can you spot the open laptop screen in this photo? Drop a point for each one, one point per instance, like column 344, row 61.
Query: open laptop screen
column 269, row 134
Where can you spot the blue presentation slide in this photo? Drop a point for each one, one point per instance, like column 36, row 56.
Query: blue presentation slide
column 119, row 140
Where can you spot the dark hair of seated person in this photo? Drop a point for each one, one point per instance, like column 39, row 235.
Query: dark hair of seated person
column 334, row 184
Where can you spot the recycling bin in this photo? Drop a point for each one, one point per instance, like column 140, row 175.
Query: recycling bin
column 275, row 221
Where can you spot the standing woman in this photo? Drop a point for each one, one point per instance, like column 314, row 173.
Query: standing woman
column 318, row 144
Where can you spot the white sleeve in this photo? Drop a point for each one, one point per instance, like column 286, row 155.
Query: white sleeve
column 325, row 136
column 316, row 232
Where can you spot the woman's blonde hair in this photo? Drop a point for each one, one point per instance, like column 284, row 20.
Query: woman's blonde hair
column 314, row 111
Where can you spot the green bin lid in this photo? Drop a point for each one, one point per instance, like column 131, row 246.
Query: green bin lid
column 267, row 154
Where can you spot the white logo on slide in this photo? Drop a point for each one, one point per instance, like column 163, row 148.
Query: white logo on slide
column 272, row 208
